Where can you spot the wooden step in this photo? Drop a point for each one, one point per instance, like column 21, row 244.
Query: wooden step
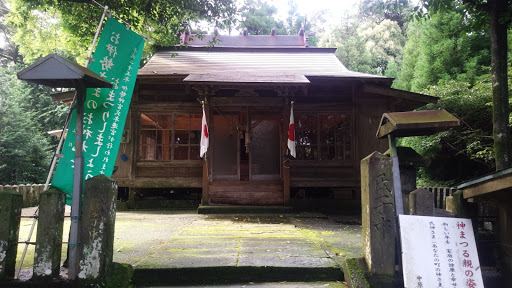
column 246, row 192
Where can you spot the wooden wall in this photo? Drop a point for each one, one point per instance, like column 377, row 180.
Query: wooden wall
column 157, row 95
column 168, row 94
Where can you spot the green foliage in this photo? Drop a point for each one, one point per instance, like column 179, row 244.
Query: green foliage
column 71, row 26
column 495, row 17
column 40, row 33
column 258, row 18
column 465, row 152
column 440, row 48
column 367, row 46
column 398, row 11
column 9, row 51
column 350, row 46
column 26, row 112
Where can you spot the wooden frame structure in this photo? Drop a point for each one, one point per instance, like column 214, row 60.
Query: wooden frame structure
column 248, row 83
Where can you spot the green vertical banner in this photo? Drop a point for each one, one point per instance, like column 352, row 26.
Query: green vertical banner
column 116, row 59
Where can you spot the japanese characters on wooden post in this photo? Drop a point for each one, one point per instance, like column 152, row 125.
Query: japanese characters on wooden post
column 439, row 252
column 116, row 59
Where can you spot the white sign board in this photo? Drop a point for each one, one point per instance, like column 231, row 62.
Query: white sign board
column 439, row 252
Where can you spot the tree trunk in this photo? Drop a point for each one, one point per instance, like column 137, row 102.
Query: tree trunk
column 501, row 109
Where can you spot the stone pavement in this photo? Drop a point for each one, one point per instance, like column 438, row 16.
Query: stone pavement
column 183, row 239
column 184, row 247
column 217, row 248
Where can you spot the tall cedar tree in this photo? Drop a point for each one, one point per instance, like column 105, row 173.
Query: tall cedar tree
column 495, row 13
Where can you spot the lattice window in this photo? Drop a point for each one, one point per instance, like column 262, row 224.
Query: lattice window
column 323, row 136
column 170, row 136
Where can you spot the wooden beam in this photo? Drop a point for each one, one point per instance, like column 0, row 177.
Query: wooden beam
column 246, row 101
column 386, row 91
column 64, row 97
column 160, row 79
column 314, row 182
column 493, row 185
column 143, row 182
column 189, row 107
column 176, row 164
column 320, row 163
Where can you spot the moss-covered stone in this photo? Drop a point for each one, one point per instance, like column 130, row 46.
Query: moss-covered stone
column 97, row 228
column 459, row 209
column 378, row 213
column 49, row 235
column 354, row 273
column 119, row 276
column 11, row 203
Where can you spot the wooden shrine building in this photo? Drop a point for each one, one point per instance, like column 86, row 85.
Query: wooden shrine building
column 248, row 83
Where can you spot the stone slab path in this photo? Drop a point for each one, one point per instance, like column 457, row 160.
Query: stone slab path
column 175, row 243
column 170, row 240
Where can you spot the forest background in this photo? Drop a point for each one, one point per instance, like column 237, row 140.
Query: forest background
column 439, row 47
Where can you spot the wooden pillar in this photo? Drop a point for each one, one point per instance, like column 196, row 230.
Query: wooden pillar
column 130, row 204
column 284, row 148
column 286, row 180
column 205, row 197
column 504, row 234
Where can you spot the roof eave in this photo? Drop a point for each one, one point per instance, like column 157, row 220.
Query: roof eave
column 269, row 49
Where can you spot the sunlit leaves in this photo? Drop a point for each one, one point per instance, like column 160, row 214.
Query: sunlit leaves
column 368, row 46
column 159, row 20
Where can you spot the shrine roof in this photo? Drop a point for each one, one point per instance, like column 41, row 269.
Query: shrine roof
column 308, row 62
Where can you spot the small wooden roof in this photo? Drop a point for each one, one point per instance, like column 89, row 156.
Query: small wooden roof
column 415, row 123
column 499, row 181
column 55, row 71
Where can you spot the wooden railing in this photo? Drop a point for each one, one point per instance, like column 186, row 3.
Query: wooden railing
column 440, row 194
column 30, row 193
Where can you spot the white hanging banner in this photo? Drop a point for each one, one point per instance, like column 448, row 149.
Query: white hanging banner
column 291, row 134
column 205, row 140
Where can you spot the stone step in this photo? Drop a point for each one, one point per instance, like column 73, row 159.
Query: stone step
column 283, row 284
column 236, row 209
column 233, row 274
